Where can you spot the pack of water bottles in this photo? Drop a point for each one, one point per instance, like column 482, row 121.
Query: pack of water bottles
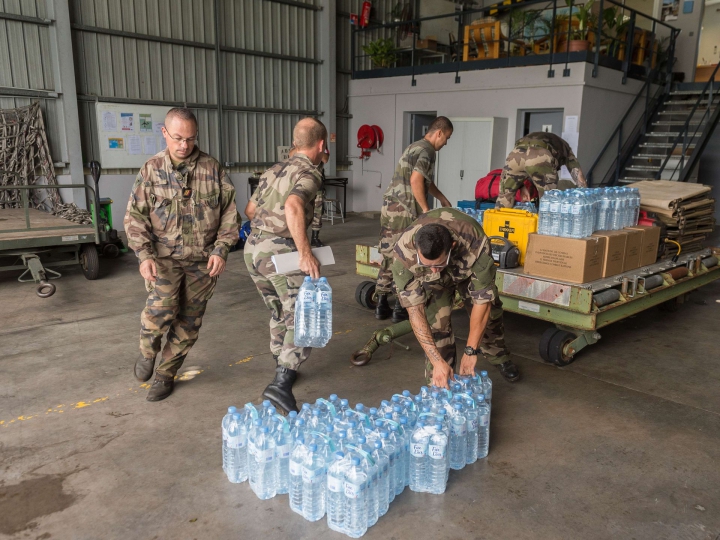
column 349, row 464
column 577, row 213
column 313, row 313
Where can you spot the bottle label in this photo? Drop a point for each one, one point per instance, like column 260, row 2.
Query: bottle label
column 352, row 491
column 334, row 484
column 565, row 208
column 484, row 420
column 323, row 297
column 555, row 207
column 283, row 452
column 264, row 456
column 460, row 429
column 306, row 296
column 311, row 476
column 544, row 206
column 417, row 449
column 295, row 468
column 251, row 448
column 436, row 451
column 238, row 441
column 473, row 425
column 576, row 210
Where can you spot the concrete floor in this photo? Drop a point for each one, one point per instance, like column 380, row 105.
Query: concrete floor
column 624, row 443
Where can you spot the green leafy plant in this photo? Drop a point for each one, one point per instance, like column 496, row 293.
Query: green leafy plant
column 381, row 52
column 585, row 18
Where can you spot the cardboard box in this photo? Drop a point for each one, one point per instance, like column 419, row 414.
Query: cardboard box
column 614, row 261
column 632, row 249
column 430, row 43
column 575, row 260
column 650, row 243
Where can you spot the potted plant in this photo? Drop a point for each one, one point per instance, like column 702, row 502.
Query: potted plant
column 381, row 52
column 580, row 32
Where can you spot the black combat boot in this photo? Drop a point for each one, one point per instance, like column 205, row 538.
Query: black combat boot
column 509, row 371
column 279, row 392
column 161, row 387
column 315, row 241
column 144, row 368
column 399, row 313
column 382, row 311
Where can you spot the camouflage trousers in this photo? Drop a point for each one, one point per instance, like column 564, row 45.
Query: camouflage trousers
column 279, row 292
column 318, row 210
column 535, row 163
column 438, row 311
column 393, row 222
column 176, row 305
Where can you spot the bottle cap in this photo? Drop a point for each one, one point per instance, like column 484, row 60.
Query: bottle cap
column 378, row 423
column 406, row 393
column 356, row 461
column 307, row 278
column 362, row 440
column 339, row 455
column 323, row 280
column 403, row 420
column 300, row 422
column 395, row 399
column 257, row 422
column 373, row 410
column 483, row 373
column 348, row 413
column 264, row 429
column 384, row 434
column 306, row 406
column 333, row 397
column 292, row 414
column 236, row 416
column 343, row 402
column 397, row 408
column 359, row 407
column 313, row 447
column 316, row 412
column 232, row 410
column 329, row 428
column 378, row 444
column 458, row 406
column 266, row 403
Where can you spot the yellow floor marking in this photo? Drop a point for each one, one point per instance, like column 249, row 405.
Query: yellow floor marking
column 242, row 360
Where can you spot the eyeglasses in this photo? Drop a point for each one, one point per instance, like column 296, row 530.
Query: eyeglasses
column 436, row 266
column 189, row 140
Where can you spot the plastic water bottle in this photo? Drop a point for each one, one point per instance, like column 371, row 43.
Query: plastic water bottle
column 486, row 386
column 389, row 448
column 566, row 215
column 297, row 458
column 604, row 211
column 636, row 206
column 355, row 495
column 264, row 468
column 472, row 415
column 458, row 437
column 400, row 457
column 323, row 321
column 335, row 503
column 437, row 463
column 483, row 427
column 224, row 425
column 554, row 214
column 314, row 482
column 418, row 458
column 544, row 215
column 305, row 314
column 237, row 470
column 283, row 447
column 616, row 211
column 382, row 461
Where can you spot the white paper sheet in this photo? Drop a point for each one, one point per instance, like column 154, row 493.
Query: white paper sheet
column 289, row 262
column 571, row 124
column 149, row 146
column 134, row 147
column 572, row 139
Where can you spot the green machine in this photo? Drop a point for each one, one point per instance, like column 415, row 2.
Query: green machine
column 110, row 243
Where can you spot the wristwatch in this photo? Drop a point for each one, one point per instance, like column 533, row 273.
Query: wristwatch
column 470, row 351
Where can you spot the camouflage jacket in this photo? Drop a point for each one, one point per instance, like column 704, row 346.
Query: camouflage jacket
column 471, row 268
column 561, row 152
column 186, row 212
column 294, row 176
column 418, row 157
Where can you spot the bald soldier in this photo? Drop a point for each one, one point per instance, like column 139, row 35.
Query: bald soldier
column 443, row 253
column 538, row 156
column 405, row 199
column 181, row 222
column 280, row 215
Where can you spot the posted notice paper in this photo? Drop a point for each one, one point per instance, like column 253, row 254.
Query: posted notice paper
column 134, row 146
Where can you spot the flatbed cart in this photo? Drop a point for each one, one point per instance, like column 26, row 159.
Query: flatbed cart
column 34, row 240
column 577, row 311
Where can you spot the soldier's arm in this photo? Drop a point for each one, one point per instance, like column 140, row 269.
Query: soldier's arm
column 573, row 165
column 137, row 221
column 435, row 192
column 417, row 184
column 295, row 215
column 227, row 235
column 317, row 212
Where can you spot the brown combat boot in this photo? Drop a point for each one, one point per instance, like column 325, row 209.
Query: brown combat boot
column 161, row 387
column 144, row 368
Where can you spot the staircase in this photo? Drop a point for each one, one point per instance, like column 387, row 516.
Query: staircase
column 681, row 115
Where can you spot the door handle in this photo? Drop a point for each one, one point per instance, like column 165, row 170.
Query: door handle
column 462, row 173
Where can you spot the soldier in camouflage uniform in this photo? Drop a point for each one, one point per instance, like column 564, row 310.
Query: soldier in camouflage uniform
column 280, row 216
column 538, row 156
column 445, row 254
column 181, row 221
column 319, row 205
column 404, row 200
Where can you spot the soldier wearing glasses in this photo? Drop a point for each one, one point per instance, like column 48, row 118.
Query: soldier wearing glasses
column 181, row 221
column 442, row 253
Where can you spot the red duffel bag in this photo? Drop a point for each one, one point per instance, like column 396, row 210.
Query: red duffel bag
column 488, row 187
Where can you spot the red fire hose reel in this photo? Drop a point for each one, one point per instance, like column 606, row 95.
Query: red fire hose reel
column 369, row 138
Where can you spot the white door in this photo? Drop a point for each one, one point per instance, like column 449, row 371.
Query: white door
column 465, row 159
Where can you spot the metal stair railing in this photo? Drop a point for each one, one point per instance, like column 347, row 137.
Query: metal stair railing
column 709, row 128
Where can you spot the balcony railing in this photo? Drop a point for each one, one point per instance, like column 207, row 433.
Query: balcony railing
column 532, row 32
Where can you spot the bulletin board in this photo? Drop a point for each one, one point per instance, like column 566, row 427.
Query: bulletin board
column 128, row 135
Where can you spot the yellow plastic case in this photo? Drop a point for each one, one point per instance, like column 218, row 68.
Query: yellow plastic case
column 515, row 225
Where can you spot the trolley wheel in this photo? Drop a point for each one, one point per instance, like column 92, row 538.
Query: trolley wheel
column 367, row 295
column 358, row 292
column 110, row 251
column 45, row 289
column 545, row 343
column 90, row 261
column 557, row 344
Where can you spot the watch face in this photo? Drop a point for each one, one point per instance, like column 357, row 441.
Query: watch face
column 469, row 351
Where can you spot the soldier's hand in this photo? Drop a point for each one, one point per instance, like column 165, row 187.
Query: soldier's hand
column 310, row 265
column 441, row 374
column 445, row 203
column 467, row 365
column 148, row 270
column 216, row 265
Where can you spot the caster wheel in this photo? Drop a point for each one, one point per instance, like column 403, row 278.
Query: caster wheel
column 545, row 343
column 89, row 261
column 367, row 296
column 556, row 348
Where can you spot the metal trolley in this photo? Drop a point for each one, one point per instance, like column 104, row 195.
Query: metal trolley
column 577, row 311
column 34, row 241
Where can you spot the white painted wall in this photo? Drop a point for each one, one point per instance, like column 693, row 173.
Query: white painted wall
column 686, row 48
column 488, row 93
column 709, row 52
